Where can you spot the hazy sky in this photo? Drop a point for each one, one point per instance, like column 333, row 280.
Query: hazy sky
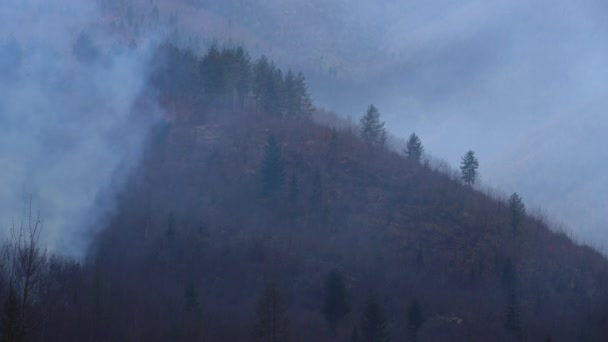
column 522, row 83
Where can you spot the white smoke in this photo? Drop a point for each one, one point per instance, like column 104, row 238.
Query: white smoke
column 69, row 134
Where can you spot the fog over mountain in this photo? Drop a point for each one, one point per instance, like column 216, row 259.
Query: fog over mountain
column 519, row 82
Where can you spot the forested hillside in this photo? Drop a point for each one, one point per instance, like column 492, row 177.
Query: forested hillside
column 503, row 78
column 247, row 220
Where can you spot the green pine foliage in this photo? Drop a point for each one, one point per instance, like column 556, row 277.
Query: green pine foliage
column 414, row 148
column 227, row 78
column 518, row 211
column 468, row 168
column 372, row 128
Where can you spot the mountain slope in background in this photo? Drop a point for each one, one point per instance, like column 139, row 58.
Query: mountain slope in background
column 480, row 76
column 195, row 221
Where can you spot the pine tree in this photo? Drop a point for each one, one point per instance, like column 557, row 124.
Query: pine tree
column 372, row 129
column 305, row 106
column 262, row 71
column 373, row 326
column 272, row 172
column 213, row 73
column 468, row 167
column 518, row 211
column 277, row 100
column 272, row 324
column 243, row 64
column 415, row 319
column 335, row 304
column 414, row 149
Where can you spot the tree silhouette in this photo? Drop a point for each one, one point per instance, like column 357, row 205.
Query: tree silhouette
column 272, row 172
column 335, row 304
column 415, row 319
column 11, row 325
column 414, row 149
column 518, row 211
column 372, row 129
column 468, row 167
column 513, row 323
column 373, row 326
column 272, row 324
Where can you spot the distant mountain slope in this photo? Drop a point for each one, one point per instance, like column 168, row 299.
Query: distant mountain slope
column 196, row 218
column 480, row 75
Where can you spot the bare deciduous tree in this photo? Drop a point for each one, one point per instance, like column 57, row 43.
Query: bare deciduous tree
column 25, row 263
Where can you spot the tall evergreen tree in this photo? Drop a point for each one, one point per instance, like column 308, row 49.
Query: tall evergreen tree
column 372, row 129
column 335, row 303
column 468, row 167
column 414, row 149
column 272, row 171
column 213, row 73
column 272, row 323
column 304, row 104
column 373, row 326
column 277, row 95
column 243, row 65
column 415, row 319
column 262, row 71
column 518, row 211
